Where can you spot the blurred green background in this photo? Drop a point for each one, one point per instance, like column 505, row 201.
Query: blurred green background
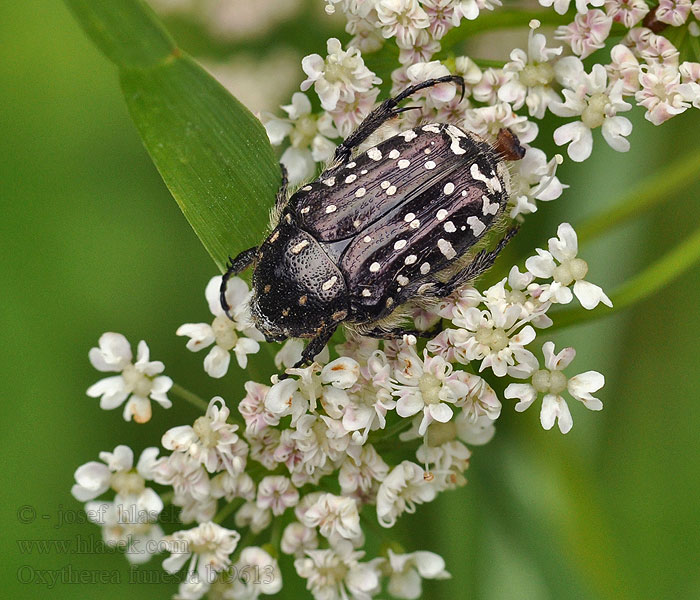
column 93, row 242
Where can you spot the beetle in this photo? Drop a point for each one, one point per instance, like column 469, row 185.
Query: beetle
column 377, row 229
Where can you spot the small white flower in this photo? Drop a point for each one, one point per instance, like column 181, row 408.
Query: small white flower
column 210, row 440
column 474, row 433
column 488, row 121
column 561, row 6
column 551, row 382
column 401, row 19
column 195, row 511
column 570, row 269
column 129, row 522
column 223, row 332
column 486, row 90
column 534, row 180
column 339, row 76
column 335, row 516
column 627, row 12
column 361, row 478
column 590, row 97
column 403, row 488
column 209, row 546
column 407, row 570
column 258, row 573
column 624, row 66
column 184, row 474
column 336, row 573
column 116, row 471
column 422, row 71
column 138, row 381
column 276, row 493
column 673, row 12
column 225, row 485
column 251, row 515
column 530, row 75
column 298, row 538
column 663, row 94
column 253, row 410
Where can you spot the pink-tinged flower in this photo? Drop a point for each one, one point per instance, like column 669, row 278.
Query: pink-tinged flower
column 650, row 47
column 486, row 90
column 470, row 9
column 211, row 440
column 571, row 269
column 489, row 120
column 530, row 75
column 298, row 538
column 258, row 573
column 624, row 67
column 673, row 12
column 339, row 76
column 277, row 493
column 184, row 474
column 627, row 12
column 225, row 334
column 690, row 71
column 534, row 179
column 422, row 50
column 335, row 516
column 662, row 93
column 366, row 37
column 590, row 97
column 587, row 33
column 441, row 14
column 253, row 410
column 348, row 115
column 251, row 515
column 137, row 383
column 561, row 6
column 552, row 382
column 402, row 19
column 360, row 478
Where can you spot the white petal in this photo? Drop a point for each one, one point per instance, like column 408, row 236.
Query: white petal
column 201, row 335
column 409, row 405
column 614, row 129
column 590, row 295
column 524, row 391
column 542, row 265
column 217, row 361
column 554, row 408
column 581, row 386
column 579, row 138
column 440, row 412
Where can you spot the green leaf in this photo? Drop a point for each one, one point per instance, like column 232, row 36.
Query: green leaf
column 212, row 153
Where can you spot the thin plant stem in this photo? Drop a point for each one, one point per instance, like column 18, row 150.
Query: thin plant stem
column 227, row 510
column 650, row 280
column 651, row 191
column 190, row 397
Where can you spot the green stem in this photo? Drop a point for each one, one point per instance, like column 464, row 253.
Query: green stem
column 227, row 510
column 652, row 279
column 190, row 397
column 650, row 192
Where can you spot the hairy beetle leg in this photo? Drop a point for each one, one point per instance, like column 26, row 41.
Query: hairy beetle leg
column 385, row 111
column 234, row 267
column 398, row 333
column 314, row 347
column 281, row 199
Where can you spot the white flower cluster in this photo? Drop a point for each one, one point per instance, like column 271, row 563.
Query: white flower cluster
column 305, row 461
column 310, row 455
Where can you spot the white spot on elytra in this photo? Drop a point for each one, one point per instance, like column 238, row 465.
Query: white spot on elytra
column 430, row 165
column 374, row 267
column 360, row 192
column 476, row 225
column 425, row 268
column 449, row 188
column 415, row 224
column 432, row 128
column 391, row 190
column 449, row 227
column 455, row 134
column 327, row 285
column 305, row 210
column 331, row 208
column 366, row 293
column 350, row 178
column 367, row 239
column 403, row 163
column 356, row 223
column 464, row 192
column 409, row 135
column 329, row 182
column 409, row 217
column 493, row 184
column 306, row 188
column 385, row 184
column 427, row 151
column 374, row 154
column 441, row 214
column 410, row 259
column 402, row 280
column 300, row 246
column 394, row 154
column 364, row 172
column 463, row 228
column 446, row 248
column 351, row 165
column 400, row 244
column 489, row 208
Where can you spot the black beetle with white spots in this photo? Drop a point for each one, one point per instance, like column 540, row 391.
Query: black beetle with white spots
column 378, row 229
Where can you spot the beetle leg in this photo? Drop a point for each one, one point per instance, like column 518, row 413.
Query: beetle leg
column 385, row 111
column 481, row 263
column 234, row 267
column 314, row 347
column 398, row 332
column 282, row 191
